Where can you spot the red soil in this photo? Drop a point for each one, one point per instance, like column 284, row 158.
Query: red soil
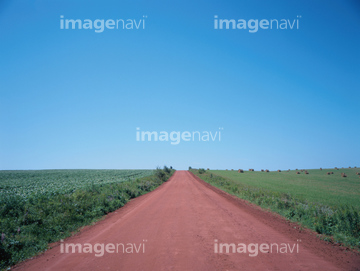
column 180, row 221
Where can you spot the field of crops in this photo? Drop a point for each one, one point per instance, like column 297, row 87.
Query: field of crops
column 31, row 182
column 328, row 204
column 43, row 206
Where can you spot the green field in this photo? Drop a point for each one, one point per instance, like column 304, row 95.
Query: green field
column 29, row 182
column 43, row 206
column 328, row 204
column 315, row 187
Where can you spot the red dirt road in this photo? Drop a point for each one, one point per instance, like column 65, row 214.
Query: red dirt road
column 179, row 222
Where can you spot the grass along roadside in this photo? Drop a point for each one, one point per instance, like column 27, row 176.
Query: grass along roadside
column 337, row 222
column 29, row 223
column 316, row 187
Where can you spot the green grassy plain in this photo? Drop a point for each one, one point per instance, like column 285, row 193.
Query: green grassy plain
column 316, row 187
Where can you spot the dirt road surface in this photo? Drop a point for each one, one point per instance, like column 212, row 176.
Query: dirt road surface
column 177, row 225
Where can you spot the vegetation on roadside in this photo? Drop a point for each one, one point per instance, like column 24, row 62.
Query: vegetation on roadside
column 316, row 186
column 26, row 183
column 338, row 222
column 29, row 221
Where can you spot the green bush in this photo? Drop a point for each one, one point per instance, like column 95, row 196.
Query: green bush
column 167, row 170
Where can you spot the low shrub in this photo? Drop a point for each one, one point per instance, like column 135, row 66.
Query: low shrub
column 201, row 170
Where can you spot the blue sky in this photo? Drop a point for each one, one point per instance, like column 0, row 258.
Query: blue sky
column 285, row 98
